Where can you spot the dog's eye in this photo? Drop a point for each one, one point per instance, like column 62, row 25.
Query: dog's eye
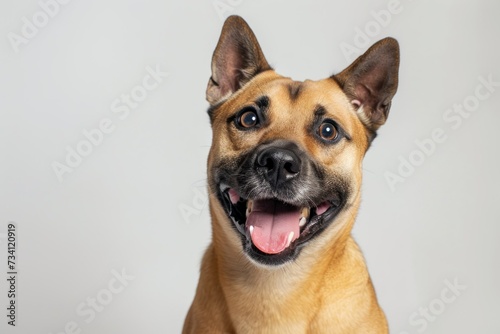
column 328, row 131
column 248, row 119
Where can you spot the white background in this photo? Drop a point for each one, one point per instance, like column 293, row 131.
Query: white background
column 121, row 208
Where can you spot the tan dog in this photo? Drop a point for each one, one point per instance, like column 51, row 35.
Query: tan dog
column 284, row 174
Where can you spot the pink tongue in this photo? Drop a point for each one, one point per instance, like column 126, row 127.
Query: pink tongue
column 272, row 223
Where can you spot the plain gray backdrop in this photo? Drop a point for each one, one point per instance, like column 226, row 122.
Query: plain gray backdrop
column 135, row 201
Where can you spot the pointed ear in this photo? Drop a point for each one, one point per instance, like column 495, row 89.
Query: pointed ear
column 237, row 59
column 371, row 81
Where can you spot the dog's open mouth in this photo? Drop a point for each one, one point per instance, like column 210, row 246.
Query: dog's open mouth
column 272, row 226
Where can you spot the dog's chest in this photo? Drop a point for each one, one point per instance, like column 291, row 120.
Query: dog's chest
column 276, row 305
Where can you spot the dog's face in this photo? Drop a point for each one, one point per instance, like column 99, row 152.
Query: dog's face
column 286, row 156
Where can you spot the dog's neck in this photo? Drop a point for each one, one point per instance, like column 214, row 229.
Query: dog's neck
column 255, row 298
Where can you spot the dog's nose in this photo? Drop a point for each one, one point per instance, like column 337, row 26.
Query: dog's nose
column 278, row 165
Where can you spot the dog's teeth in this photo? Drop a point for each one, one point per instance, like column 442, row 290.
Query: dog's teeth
column 305, row 212
column 304, row 215
column 234, row 197
column 290, row 237
column 251, row 230
column 249, row 206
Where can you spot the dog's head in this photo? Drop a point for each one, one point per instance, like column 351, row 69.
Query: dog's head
column 286, row 156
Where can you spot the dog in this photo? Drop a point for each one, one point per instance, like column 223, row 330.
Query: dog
column 284, row 178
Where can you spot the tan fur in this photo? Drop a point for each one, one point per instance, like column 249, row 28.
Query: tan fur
column 327, row 289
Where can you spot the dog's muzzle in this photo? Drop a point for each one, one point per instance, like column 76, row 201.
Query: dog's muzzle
column 277, row 200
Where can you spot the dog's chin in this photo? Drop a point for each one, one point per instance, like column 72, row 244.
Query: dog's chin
column 273, row 231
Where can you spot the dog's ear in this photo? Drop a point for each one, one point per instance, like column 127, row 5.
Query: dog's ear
column 371, row 81
column 237, row 59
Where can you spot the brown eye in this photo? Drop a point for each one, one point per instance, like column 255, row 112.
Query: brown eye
column 248, row 119
column 328, row 131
